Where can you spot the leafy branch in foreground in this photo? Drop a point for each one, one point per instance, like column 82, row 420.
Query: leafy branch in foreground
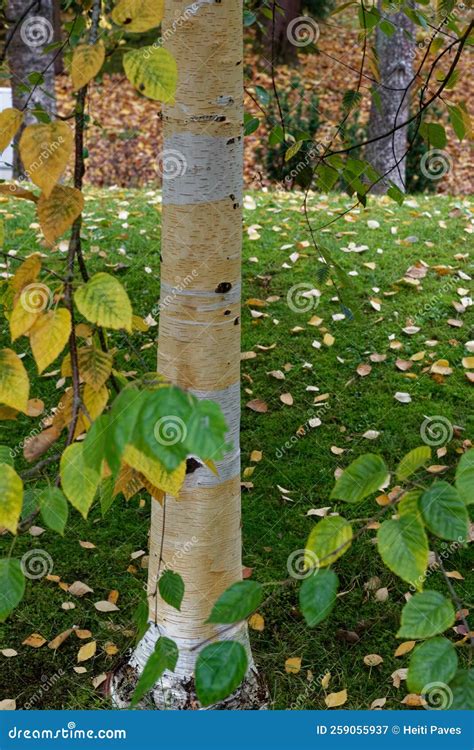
column 420, row 515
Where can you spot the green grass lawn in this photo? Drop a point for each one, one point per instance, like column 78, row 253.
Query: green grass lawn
column 122, row 235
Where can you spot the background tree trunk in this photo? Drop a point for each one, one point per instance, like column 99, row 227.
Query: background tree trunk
column 198, row 534
column 395, row 60
column 285, row 51
column 30, row 31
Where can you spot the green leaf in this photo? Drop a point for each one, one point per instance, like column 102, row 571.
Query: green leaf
column 249, row 18
column 54, row 509
column 293, row 150
column 141, row 619
column 444, row 512
column 250, row 124
column 163, row 657
column 425, row 615
column 432, row 661
column 11, row 497
column 465, row 477
column 318, row 596
column 220, row 669
column 262, row 95
column 171, row 588
column 403, row 546
column 79, row 481
column 104, row 301
column 5, row 455
column 413, row 461
column 462, row 687
column 153, row 72
column 12, row 586
column 396, row 194
column 328, row 540
column 237, row 602
column 363, row 477
column 456, row 119
column 276, row 135
column 434, row 133
column 106, row 494
column 95, row 442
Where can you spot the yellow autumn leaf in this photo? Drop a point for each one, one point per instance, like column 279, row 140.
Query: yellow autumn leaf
column 86, row 62
column 104, row 301
column 21, row 319
column 45, row 149
column 154, row 471
column 49, row 336
column 95, row 401
column 11, row 494
column 58, row 211
column 95, row 366
column 336, row 699
column 26, row 273
column 256, row 622
column 405, row 648
column 14, row 383
column 128, row 482
column 153, row 71
column 293, row 665
column 138, row 15
column 10, row 121
column 87, row 651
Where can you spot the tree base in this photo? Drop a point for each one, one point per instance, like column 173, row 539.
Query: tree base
column 175, row 691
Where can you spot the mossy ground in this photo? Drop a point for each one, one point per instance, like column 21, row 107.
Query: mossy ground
column 123, row 227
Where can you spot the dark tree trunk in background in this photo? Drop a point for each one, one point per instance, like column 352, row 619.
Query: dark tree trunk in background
column 26, row 40
column 59, row 59
column 285, row 51
column 395, row 60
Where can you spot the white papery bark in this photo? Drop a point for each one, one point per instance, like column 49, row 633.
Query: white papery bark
column 198, row 535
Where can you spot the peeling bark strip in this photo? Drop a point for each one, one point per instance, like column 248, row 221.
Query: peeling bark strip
column 199, row 343
column 395, row 61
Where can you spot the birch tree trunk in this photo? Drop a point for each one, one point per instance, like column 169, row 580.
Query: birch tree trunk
column 198, row 535
column 31, row 29
column 395, row 60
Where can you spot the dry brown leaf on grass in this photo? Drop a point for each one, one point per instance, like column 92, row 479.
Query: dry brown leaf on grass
column 56, row 642
column 333, row 700
column 405, row 648
column 35, row 640
column 372, row 660
column 105, row 606
column 256, row 622
column 78, row 588
column 87, row 651
column 293, row 665
column 8, row 704
column 257, row 405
